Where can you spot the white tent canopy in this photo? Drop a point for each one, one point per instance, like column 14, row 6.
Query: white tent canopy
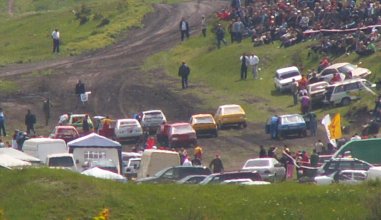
column 8, row 161
column 19, row 155
column 103, row 174
column 93, row 140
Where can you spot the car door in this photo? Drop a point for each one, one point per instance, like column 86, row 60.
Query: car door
column 352, row 90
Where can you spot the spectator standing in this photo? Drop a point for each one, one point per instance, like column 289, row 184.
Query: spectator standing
column 198, row 152
column 231, row 31
column 305, row 104
column 262, row 152
column 319, row 147
column 314, row 159
column 187, row 162
column 79, row 90
column 2, row 123
column 184, row 29
column 254, row 61
column 30, row 120
column 85, row 124
column 238, row 29
column 56, row 41
column 216, row 165
column 204, row 26
column 271, row 152
column 244, row 63
column 294, row 91
column 313, row 124
column 184, row 72
column 46, row 105
column 220, row 36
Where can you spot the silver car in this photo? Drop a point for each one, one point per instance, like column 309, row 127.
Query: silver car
column 270, row 169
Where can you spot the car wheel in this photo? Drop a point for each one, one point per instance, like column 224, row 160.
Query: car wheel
column 345, row 101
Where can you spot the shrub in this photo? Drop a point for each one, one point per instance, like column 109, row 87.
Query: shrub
column 105, row 21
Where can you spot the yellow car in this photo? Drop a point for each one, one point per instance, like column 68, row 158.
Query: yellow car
column 204, row 124
column 230, row 115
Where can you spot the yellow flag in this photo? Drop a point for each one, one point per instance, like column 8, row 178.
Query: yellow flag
column 335, row 127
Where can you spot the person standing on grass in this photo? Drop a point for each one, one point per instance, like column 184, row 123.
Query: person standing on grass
column 30, row 120
column 184, row 72
column 216, row 165
column 56, row 41
column 204, row 26
column 295, row 90
column 244, row 63
column 220, row 36
column 262, row 152
column 2, row 123
column 254, row 61
column 184, row 29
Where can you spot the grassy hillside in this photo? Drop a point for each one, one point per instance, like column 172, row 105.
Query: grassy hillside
column 56, row 194
column 218, row 71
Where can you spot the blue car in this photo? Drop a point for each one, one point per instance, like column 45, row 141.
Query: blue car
column 285, row 125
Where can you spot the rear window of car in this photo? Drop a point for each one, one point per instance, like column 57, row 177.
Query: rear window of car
column 346, row 68
column 127, row 124
column 153, row 115
column 203, row 120
column 66, row 132
column 182, row 129
column 257, row 163
column 292, row 119
column 232, row 110
column 289, row 75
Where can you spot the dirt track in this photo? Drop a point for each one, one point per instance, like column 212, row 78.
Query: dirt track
column 119, row 88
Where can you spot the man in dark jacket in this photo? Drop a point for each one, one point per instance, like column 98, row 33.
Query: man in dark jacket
column 79, row 89
column 30, row 120
column 184, row 29
column 220, row 35
column 184, row 72
column 216, row 165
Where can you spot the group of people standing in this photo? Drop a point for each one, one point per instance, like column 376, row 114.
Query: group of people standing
column 249, row 61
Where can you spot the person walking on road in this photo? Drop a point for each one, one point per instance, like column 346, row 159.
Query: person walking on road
column 30, row 120
column 56, row 41
column 184, row 72
column 184, row 29
column 2, row 123
column 216, row 165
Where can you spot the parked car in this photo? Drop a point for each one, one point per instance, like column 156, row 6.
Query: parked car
column 245, row 182
column 76, row 121
column 323, row 158
column 192, row 179
column 343, row 176
column 345, row 92
column 152, row 119
column 127, row 129
column 269, row 168
column 177, row 135
column 67, row 133
column 230, row 115
column 349, row 70
column 287, row 125
column 172, row 174
column 316, row 91
column 220, row 177
column 204, row 124
column 338, row 164
column 284, row 76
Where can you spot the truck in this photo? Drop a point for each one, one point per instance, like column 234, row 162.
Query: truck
column 153, row 161
column 42, row 147
column 368, row 150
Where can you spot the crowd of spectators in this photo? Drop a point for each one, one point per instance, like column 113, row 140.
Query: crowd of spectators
column 341, row 27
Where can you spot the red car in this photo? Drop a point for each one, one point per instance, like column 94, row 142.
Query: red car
column 177, row 135
column 67, row 133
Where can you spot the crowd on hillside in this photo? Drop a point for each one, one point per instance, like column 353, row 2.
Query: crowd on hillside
column 341, row 27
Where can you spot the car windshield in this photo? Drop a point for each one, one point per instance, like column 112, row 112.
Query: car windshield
column 203, row 120
column 292, row 119
column 66, row 132
column 346, row 68
column 61, row 162
column 182, row 129
column 123, row 124
column 257, row 163
column 289, row 75
column 153, row 115
column 232, row 110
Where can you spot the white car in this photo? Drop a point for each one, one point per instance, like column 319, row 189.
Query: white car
column 152, row 119
column 284, row 76
column 269, row 168
column 349, row 70
column 128, row 129
column 316, row 91
column 344, row 176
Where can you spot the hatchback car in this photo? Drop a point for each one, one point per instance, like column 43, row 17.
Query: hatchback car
column 67, row 133
column 220, row 177
column 172, row 174
column 204, row 124
column 293, row 124
column 230, row 115
column 152, row 119
column 269, row 168
column 77, row 119
column 343, row 176
column 349, row 70
column 177, row 135
column 127, row 129
column 284, row 77
column 345, row 92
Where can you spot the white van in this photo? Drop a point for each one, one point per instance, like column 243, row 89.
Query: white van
column 42, row 147
column 153, row 161
column 349, row 90
column 284, row 76
column 61, row 161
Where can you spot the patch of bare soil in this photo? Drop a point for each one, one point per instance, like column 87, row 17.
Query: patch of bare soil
column 120, row 88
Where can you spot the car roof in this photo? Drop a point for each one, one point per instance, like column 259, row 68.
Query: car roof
column 190, row 167
column 79, row 115
column 127, row 119
column 202, row 115
column 336, row 65
column 289, row 115
column 287, row 69
column 152, row 111
column 178, row 124
column 347, row 81
column 266, row 158
column 65, row 127
column 233, row 172
column 229, row 105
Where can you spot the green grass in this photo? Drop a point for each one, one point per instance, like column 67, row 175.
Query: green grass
column 56, row 194
column 217, row 73
column 7, row 87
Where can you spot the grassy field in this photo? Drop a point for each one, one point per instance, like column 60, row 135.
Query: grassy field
column 217, row 73
column 56, row 194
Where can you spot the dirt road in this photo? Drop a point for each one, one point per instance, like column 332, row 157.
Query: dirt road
column 119, row 88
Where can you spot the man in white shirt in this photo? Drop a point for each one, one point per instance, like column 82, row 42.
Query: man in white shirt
column 254, row 61
column 184, row 29
column 56, row 41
